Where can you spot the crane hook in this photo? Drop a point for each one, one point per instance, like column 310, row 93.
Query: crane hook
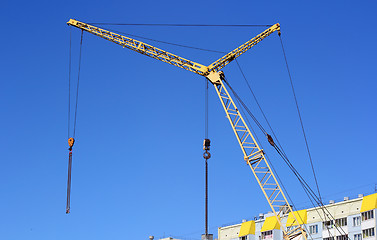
column 206, row 148
column 71, row 141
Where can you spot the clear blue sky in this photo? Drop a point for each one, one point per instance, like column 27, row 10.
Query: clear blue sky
column 137, row 163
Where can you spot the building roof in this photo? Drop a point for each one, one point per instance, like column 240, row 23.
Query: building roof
column 270, row 223
column 369, row 202
column 247, row 228
column 301, row 216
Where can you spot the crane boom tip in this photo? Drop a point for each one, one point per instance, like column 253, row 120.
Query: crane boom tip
column 71, row 21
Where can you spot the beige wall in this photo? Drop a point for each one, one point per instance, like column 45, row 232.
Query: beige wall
column 337, row 210
column 229, row 232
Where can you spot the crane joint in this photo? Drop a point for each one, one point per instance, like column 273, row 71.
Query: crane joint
column 215, row 77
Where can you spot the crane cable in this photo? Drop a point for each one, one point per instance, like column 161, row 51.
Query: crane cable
column 308, row 190
column 238, row 99
column 303, row 131
column 182, row 25
column 206, row 154
column 268, row 136
column 310, row 193
column 259, row 106
column 299, row 115
column 164, row 42
column 270, row 139
column 319, row 197
column 246, row 108
column 71, row 140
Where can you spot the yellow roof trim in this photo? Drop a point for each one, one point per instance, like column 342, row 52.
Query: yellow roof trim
column 301, row 216
column 369, row 202
column 247, row 228
column 270, row 223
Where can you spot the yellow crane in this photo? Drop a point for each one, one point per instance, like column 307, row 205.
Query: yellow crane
column 253, row 154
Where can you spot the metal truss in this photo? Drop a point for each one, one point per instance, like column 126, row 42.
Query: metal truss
column 142, row 48
column 225, row 60
column 255, row 158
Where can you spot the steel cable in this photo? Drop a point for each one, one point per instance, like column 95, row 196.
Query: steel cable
column 164, row 42
column 299, row 115
column 310, row 193
column 78, row 83
column 180, row 25
column 69, row 81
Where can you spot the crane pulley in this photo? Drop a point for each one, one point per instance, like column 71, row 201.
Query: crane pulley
column 254, row 156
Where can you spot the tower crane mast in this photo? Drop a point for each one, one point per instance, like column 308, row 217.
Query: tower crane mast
column 254, row 156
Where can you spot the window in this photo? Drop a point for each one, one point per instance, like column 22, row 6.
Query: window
column 267, row 234
column 368, row 232
column 342, row 237
column 367, row 215
column 313, row 229
column 356, row 221
column 328, row 224
column 245, row 238
column 341, row 222
column 357, row 236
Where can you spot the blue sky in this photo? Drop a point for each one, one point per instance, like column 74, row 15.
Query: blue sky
column 137, row 163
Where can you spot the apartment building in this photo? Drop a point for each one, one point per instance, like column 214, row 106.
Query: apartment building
column 355, row 219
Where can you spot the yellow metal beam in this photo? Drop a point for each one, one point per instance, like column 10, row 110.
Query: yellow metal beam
column 165, row 56
column 222, row 62
column 142, row 48
column 255, row 158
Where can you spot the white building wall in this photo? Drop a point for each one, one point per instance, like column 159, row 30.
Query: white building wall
column 352, row 228
column 317, row 235
column 229, row 232
column 370, row 223
column 345, row 209
column 277, row 234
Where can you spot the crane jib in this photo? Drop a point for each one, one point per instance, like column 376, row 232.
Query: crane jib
column 253, row 154
column 142, row 48
column 168, row 57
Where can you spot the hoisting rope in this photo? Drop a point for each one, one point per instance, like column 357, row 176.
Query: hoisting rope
column 308, row 190
column 206, row 154
column 310, row 193
column 246, row 108
column 71, row 140
column 239, row 100
column 78, row 84
column 69, row 80
column 299, row 115
column 269, row 138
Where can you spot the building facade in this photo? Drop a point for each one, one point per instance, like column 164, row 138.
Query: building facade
column 355, row 219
